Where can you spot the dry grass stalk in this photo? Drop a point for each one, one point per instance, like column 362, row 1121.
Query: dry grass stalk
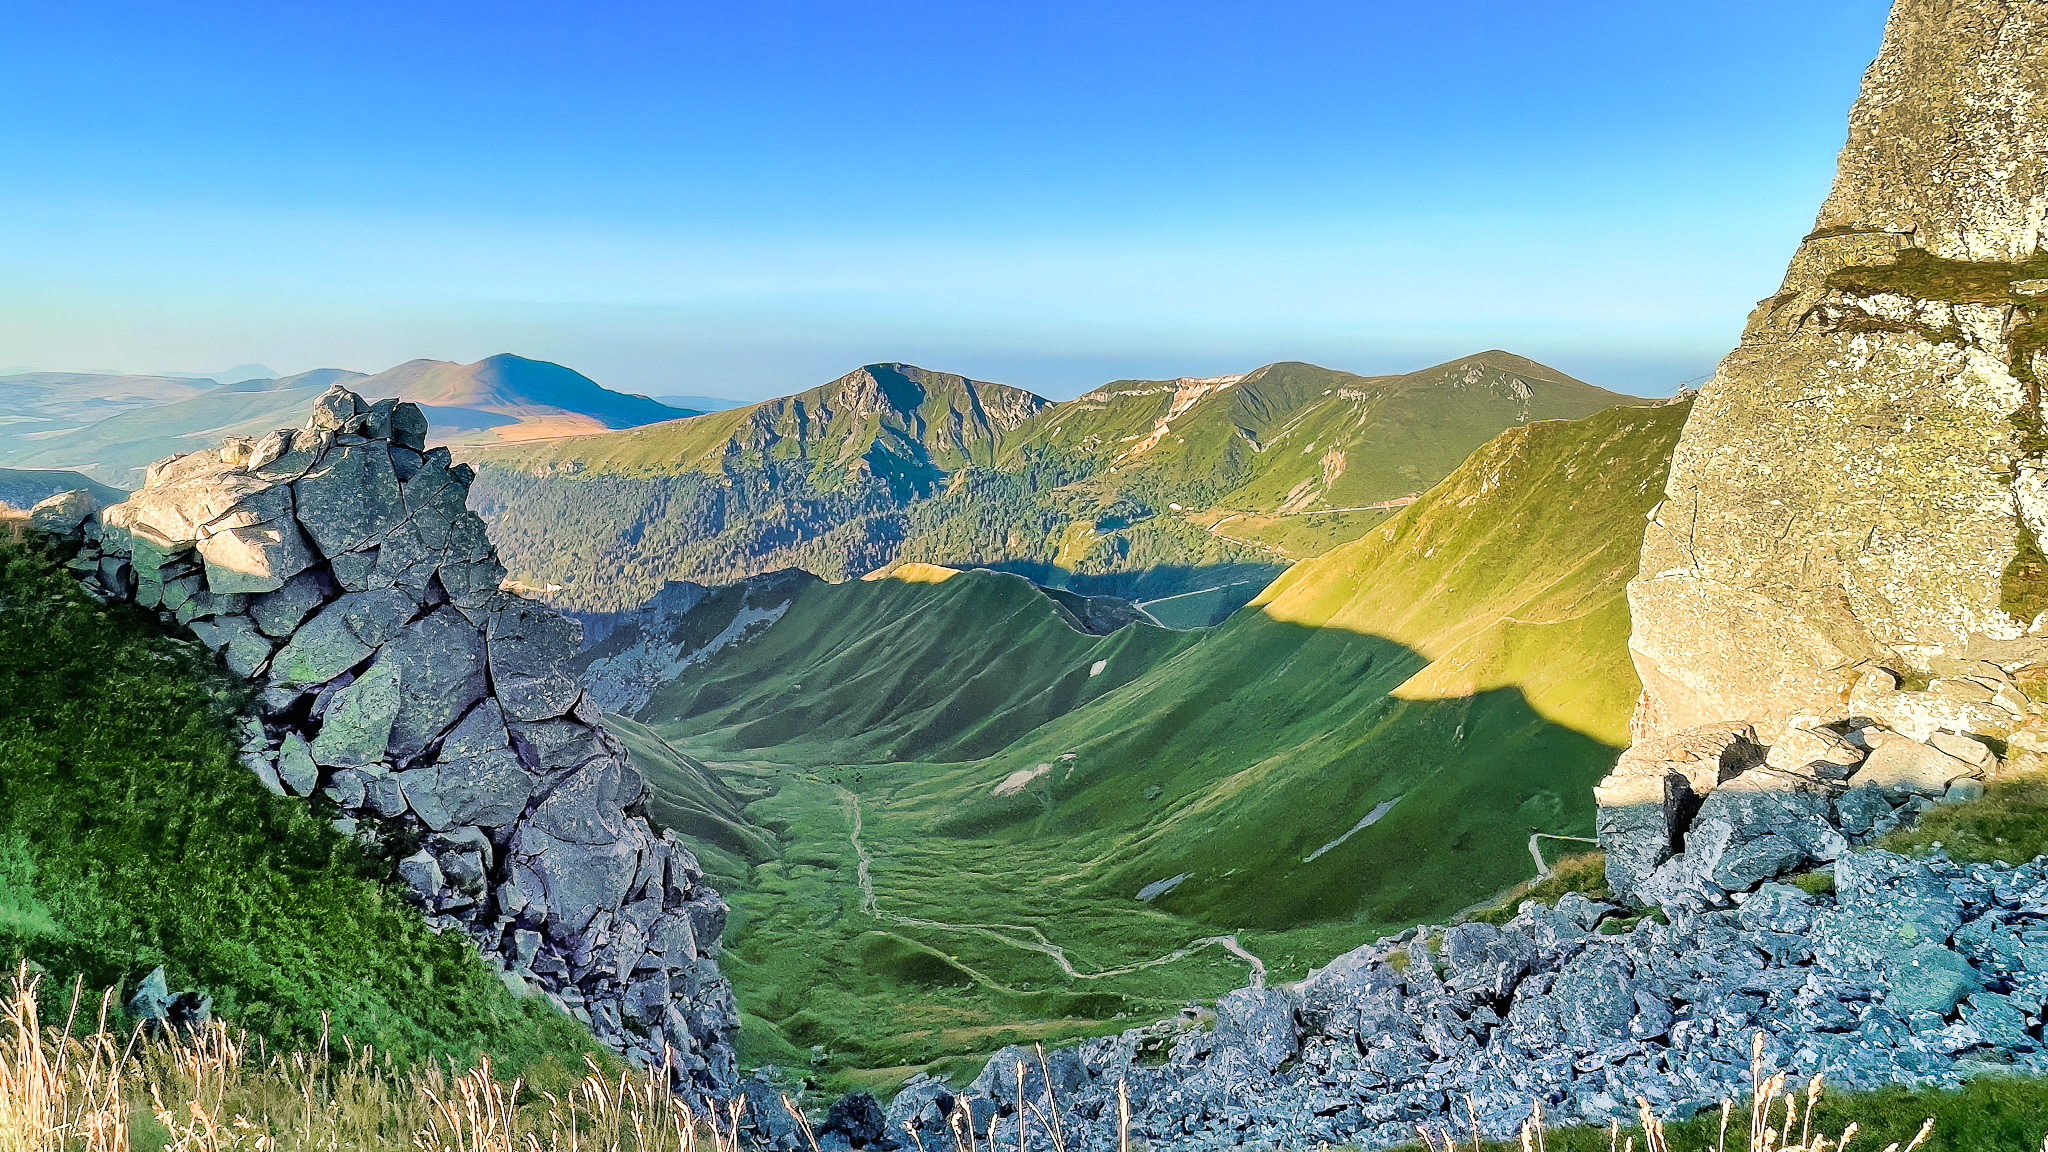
column 201, row 1091
column 1769, row 1097
column 209, row 1089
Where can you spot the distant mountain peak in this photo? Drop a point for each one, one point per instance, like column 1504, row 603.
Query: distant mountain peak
column 508, row 384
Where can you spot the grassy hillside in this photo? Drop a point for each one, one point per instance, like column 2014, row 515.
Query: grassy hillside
column 515, row 386
column 1289, row 445
column 38, row 405
column 1143, row 489
column 117, row 448
column 818, row 481
column 497, row 398
column 880, row 420
column 130, row 836
column 1373, row 743
column 931, row 664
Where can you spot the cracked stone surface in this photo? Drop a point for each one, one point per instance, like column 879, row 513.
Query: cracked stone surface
column 339, row 567
column 1852, row 482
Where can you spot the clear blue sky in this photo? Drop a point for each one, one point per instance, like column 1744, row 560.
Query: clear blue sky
column 749, row 198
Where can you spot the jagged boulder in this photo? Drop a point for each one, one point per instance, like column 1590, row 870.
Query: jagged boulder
column 1856, row 503
column 1695, row 818
column 338, row 567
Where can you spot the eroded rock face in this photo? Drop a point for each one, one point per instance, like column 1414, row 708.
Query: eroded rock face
column 338, row 566
column 1857, row 482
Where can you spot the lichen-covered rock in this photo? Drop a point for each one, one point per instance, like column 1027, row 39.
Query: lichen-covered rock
column 338, row 566
column 65, row 513
column 1847, row 560
column 1852, row 488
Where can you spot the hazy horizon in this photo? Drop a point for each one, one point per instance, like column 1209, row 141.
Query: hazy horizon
column 745, row 203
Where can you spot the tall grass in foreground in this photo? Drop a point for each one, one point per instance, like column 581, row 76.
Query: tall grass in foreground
column 82, row 1087
column 1781, row 1116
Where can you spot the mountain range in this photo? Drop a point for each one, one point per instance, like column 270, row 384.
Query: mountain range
column 1444, row 689
column 1189, row 493
column 112, row 427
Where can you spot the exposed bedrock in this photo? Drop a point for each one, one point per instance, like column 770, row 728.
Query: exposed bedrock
column 1695, row 818
column 338, row 567
column 1861, row 483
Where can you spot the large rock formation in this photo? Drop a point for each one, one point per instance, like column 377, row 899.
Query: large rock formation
column 339, row 568
column 1847, row 562
column 1860, row 484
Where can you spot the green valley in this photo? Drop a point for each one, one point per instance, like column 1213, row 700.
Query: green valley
column 966, row 821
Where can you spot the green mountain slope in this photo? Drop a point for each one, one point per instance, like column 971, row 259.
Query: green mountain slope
column 132, row 836
column 494, row 399
column 819, row 480
column 508, row 385
column 1373, row 743
column 929, row 664
column 885, row 421
column 38, row 405
column 1295, row 457
column 1197, row 490
column 24, row 488
column 118, row 448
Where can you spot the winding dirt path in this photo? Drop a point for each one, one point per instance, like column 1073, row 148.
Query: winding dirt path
column 1542, row 869
column 1002, row 933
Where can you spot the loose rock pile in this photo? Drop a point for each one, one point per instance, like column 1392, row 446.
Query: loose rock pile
column 1911, row 972
column 1695, row 816
column 338, row 566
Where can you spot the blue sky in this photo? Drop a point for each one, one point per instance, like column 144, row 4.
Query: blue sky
column 746, row 199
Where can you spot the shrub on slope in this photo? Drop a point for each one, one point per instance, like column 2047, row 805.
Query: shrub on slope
column 131, row 836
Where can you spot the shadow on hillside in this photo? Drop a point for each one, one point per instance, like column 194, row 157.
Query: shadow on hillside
column 1249, row 763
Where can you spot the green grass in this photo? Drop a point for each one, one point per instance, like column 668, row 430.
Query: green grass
column 1584, row 873
column 130, row 836
column 2009, row 822
column 1467, row 660
column 1988, row 1114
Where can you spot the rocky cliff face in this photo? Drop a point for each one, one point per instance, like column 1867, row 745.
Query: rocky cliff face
column 1847, row 559
column 338, row 567
column 1860, row 485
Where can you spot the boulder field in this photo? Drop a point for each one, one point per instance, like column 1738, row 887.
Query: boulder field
column 338, row 567
column 1911, row 971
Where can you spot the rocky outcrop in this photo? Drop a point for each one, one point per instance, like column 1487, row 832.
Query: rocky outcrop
column 1693, row 818
column 338, row 567
column 1911, row 971
column 1861, row 484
